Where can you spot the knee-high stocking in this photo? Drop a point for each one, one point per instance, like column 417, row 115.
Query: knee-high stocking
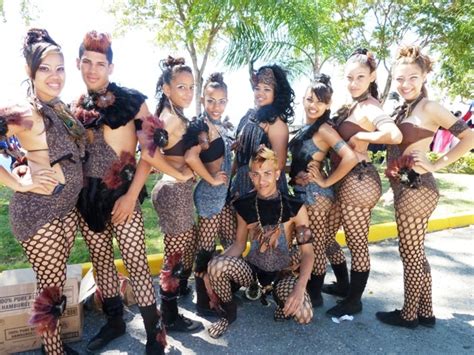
column 413, row 207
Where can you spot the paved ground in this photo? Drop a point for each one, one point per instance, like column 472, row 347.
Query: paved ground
column 451, row 254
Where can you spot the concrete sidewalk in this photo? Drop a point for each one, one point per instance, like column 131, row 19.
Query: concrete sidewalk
column 451, row 255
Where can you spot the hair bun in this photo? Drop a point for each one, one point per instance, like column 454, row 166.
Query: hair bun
column 171, row 62
column 216, row 78
column 37, row 35
column 413, row 53
column 363, row 51
column 323, row 78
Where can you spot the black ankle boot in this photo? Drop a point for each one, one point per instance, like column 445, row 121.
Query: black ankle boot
column 229, row 311
column 115, row 326
column 395, row 318
column 429, row 322
column 203, row 307
column 155, row 334
column 352, row 303
column 341, row 286
column 313, row 287
column 173, row 321
column 184, row 289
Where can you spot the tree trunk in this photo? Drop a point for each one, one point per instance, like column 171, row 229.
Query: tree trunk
column 316, row 67
column 198, row 82
column 386, row 89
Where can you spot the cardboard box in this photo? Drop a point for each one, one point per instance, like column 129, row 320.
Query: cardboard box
column 17, row 294
column 17, row 335
column 17, row 288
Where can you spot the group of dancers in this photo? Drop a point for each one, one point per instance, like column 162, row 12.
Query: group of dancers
column 83, row 175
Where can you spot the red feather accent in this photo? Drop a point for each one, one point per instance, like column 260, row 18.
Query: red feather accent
column 149, row 125
column 15, row 115
column 168, row 280
column 97, row 42
column 113, row 177
column 85, row 116
column 161, row 335
column 394, row 166
column 46, row 310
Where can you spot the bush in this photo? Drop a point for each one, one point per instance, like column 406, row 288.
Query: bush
column 464, row 165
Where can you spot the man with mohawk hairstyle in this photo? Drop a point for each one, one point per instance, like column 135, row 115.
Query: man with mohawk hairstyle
column 110, row 200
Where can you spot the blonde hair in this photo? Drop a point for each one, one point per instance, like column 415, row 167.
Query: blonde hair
column 264, row 154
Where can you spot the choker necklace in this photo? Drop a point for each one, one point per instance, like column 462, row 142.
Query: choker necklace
column 362, row 97
column 259, row 220
column 214, row 122
column 408, row 107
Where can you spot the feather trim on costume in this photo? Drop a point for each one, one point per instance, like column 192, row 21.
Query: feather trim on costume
column 116, row 106
column 169, row 276
column 161, row 334
column 402, row 170
column 121, row 171
column 193, row 135
column 47, row 308
column 14, row 115
column 153, row 134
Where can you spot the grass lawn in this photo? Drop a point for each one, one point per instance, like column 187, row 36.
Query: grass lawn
column 457, row 193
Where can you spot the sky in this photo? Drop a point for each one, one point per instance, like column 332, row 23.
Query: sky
column 136, row 57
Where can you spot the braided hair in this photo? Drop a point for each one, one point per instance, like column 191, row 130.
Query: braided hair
column 170, row 67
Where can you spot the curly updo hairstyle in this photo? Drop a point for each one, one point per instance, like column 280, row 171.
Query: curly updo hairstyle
column 412, row 55
column 363, row 56
column 170, row 67
column 215, row 81
column 36, row 46
column 284, row 96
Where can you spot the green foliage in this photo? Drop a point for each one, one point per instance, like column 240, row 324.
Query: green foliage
column 464, row 165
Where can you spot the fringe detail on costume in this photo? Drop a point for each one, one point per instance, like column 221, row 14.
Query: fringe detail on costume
column 153, row 134
column 401, row 169
column 47, row 308
column 169, row 276
column 121, row 170
column 161, row 334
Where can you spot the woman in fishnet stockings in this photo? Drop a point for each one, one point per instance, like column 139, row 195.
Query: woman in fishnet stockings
column 309, row 148
column 360, row 124
column 414, row 186
column 42, row 211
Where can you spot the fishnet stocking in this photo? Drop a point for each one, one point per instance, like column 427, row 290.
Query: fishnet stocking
column 47, row 251
column 131, row 241
column 185, row 244
column 334, row 251
column 223, row 225
column 222, row 271
column 358, row 194
column 208, row 228
column 228, row 226
column 317, row 214
column 413, row 207
column 282, row 289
